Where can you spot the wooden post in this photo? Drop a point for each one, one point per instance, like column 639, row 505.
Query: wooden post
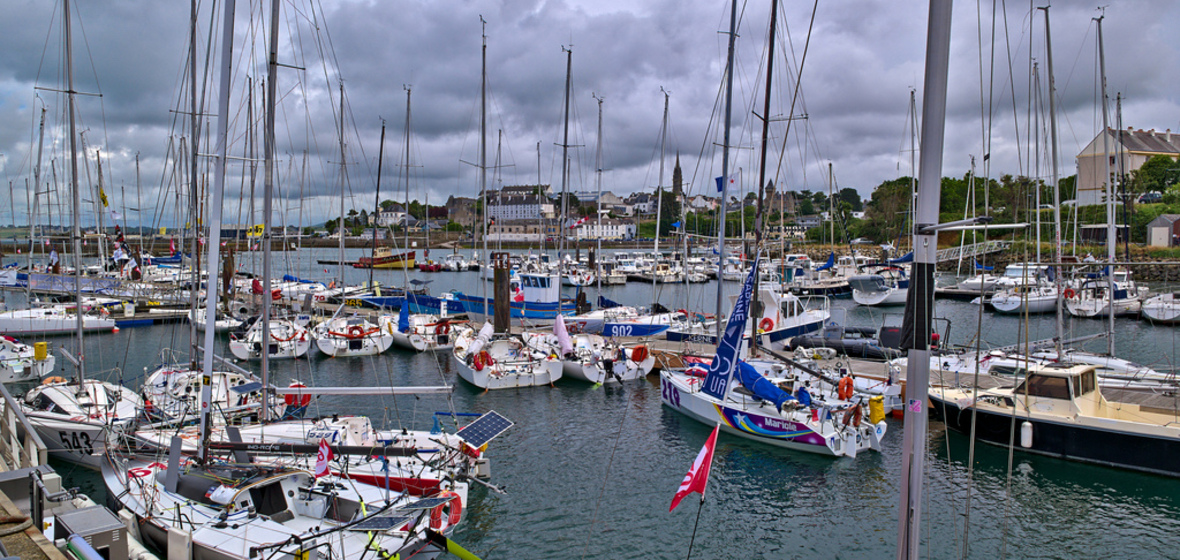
column 502, row 318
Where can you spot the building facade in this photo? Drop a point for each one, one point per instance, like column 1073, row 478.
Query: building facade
column 1128, row 150
column 610, row 229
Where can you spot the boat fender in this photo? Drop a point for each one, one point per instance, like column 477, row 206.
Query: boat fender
column 639, row 354
column 440, row 520
column 766, row 324
column 292, row 399
column 1026, row 435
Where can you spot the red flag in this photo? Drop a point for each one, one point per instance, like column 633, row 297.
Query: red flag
column 322, row 458
column 698, row 476
column 172, row 245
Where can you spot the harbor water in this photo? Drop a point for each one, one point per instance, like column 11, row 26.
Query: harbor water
column 590, row 472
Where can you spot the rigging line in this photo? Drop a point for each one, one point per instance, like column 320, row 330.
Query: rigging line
column 609, row 463
column 1020, row 162
column 796, row 95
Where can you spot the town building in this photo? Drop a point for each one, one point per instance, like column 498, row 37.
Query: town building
column 1131, row 148
column 610, row 229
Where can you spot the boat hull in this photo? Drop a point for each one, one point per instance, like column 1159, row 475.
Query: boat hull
column 1154, row 454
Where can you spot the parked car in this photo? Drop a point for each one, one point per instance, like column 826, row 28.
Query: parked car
column 1152, row 197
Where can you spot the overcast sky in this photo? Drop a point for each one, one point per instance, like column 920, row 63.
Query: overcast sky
column 862, row 60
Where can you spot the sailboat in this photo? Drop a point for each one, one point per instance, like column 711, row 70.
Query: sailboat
column 590, row 357
column 503, row 362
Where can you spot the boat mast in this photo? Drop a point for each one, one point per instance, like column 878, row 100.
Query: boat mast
column 756, row 303
column 194, row 215
column 565, row 146
column 724, row 162
column 920, row 301
column 340, row 229
column 1037, row 150
column 598, row 179
column 406, row 226
column 223, row 116
column 1057, row 248
column 483, row 156
column 33, row 208
column 659, row 195
column 376, row 201
column 1110, row 235
column 76, row 233
column 268, row 142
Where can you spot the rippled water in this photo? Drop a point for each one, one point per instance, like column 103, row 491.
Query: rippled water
column 590, row 472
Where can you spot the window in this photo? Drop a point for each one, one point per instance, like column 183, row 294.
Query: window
column 1045, row 386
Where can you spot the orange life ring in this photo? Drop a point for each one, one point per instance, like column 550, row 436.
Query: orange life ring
column 292, row 399
column 442, row 328
column 1069, row 293
column 844, row 388
column 639, row 354
column 54, row 379
column 356, row 331
column 440, row 522
column 766, row 324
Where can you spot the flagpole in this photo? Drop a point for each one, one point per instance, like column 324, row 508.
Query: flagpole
column 700, row 506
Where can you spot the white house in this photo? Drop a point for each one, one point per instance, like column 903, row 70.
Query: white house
column 611, row 229
column 1132, row 148
column 387, row 218
column 520, row 207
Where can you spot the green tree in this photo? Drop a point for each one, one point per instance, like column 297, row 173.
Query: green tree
column 1156, row 174
column 331, row 226
column 849, row 195
column 308, row 231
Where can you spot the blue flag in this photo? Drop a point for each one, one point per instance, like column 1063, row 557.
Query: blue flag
column 721, row 370
column 403, row 317
column 676, row 224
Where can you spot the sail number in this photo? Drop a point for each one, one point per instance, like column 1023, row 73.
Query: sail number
column 77, row 441
column 619, row 330
column 670, row 393
column 353, row 302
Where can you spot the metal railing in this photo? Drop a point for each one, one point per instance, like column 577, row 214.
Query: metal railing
column 973, row 250
column 17, row 452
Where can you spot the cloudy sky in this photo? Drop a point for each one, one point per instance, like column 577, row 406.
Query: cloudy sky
column 862, row 59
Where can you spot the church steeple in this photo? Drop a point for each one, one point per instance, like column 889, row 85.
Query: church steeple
column 677, row 179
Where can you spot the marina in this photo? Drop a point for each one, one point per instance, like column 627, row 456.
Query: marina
column 915, row 374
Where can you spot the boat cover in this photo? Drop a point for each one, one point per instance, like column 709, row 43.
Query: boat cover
column 761, row 386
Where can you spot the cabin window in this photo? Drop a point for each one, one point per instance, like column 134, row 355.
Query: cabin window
column 543, row 282
column 1045, row 386
column 1084, row 383
column 1008, row 370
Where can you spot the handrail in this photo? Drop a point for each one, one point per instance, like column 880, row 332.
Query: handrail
column 14, row 453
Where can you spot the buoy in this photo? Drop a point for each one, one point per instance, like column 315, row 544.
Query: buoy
column 1026, row 434
column 115, row 329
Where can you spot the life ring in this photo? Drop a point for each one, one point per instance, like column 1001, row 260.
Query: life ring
column 766, row 324
column 293, row 399
column 682, row 311
column 54, row 379
column 356, row 331
column 442, row 329
column 1069, row 293
column 440, row 520
column 639, row 354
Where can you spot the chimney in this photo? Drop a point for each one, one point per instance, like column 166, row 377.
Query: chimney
column 1168, row 135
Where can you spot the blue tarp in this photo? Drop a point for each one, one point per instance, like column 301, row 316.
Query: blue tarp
column 606, row 303
column 906, row 258
column 289, row 278
column 761, row 386
column 980, row 266
column 1105, row 271
column 831, row 262
column 403, row 319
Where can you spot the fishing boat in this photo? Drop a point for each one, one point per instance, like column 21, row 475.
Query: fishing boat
column 351, row 336
column 22, row 362
column 491, row 361
column 384, row 257
column 1061, row 412
column 538, row 300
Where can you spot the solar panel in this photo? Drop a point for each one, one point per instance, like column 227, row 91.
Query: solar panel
column 247, row 387
column 383, row 523
column 427, row 503
column 484, row 429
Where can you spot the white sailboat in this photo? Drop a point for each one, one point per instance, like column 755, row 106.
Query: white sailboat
column 284, row 338
column 503, row 362
column 351, row 336
column 1163, row 308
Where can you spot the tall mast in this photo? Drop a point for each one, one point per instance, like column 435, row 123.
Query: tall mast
column 920, row 301
column 1037, row 150
column 724, row 162
column 376, row 199
column 223, row 116
column 598, row 180
column 660, row 194
column 194, row 215
column 565, row 146
column 756, row 302
column 406, row 227
column 37, row 185
column 340, row 267
column 483, row 156
column 76, row 192
column 268, row 142
column 1110, row 235
column 1057, row 249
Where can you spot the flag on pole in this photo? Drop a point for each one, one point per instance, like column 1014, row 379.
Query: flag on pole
column 578, row 223
column 732, row 183
column 172, row 246
column 698, row 475
column 322, row 458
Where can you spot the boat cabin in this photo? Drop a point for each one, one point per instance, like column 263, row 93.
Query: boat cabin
column 1066, row 390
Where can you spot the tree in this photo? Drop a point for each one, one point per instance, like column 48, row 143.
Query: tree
column 331, row 226
column 1156, row 174
column 849, row 195
column 308, row 231
column 386, row 205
